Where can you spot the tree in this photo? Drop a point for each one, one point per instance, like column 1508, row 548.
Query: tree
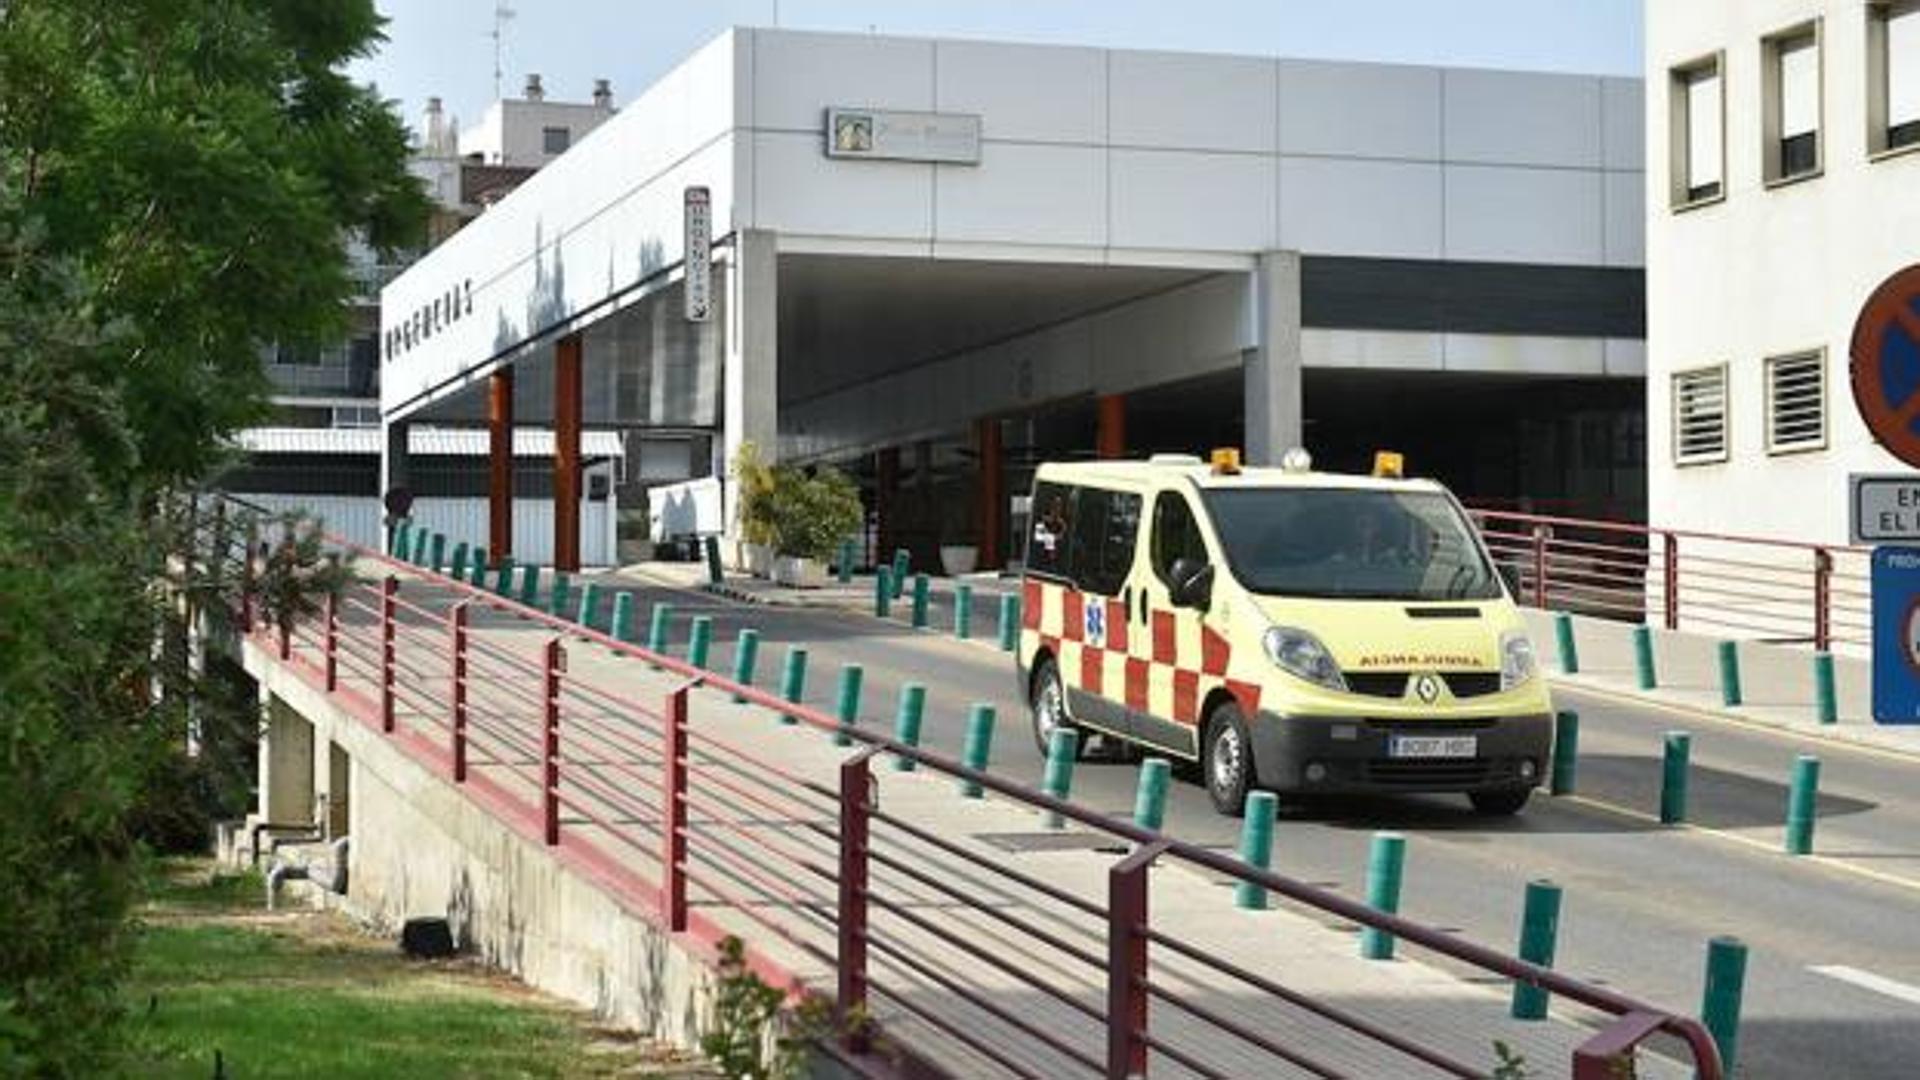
column 177, row 178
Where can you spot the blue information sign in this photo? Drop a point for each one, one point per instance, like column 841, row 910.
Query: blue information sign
column 1896, row 635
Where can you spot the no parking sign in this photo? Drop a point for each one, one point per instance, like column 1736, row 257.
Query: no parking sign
column 1896, row 635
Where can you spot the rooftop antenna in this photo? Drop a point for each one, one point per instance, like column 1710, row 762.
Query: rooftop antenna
column 501, row 14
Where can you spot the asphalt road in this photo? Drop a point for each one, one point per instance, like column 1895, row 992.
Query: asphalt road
column 1833, row 983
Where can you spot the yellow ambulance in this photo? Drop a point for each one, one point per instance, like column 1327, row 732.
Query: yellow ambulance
column 1290, row 630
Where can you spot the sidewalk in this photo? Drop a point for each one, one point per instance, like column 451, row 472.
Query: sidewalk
column 1777, row 680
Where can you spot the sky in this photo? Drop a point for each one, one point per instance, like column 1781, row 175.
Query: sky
column 446, row 47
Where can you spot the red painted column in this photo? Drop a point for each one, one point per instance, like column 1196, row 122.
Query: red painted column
column 566, row 454
column 500, row 465
column 992, row 510
column 1110, row 439
column 886, row 486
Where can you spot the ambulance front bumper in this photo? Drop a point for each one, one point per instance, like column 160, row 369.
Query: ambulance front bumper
column 1348, row 755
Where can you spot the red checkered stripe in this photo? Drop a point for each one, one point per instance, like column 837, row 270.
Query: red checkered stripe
column 1163, row 672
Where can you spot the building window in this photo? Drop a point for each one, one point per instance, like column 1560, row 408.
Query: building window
column 1700, row 416
column 1792, row 70
column 556, row 139
column 1796, row 402
column 1698, row 150
column 1893, row 75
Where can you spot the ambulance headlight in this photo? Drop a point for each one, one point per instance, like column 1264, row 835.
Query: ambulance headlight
column 1517, row 663
column 1301, row 654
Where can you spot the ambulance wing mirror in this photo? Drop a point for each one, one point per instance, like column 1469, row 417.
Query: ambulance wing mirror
column 1509, row 573
column 1192, row 583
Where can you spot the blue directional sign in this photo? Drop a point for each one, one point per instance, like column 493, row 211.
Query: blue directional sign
column 1896, row 635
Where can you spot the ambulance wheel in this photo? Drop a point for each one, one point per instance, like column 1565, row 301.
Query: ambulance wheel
column 1226, row 760
column 1503, row 802
column 1049, row 709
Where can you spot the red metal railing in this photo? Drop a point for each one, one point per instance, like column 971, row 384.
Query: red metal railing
column 1773, row 590
column 698, row 832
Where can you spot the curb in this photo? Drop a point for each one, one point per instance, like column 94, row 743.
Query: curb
column 1817, row 734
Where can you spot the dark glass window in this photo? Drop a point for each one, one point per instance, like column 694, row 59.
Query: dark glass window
column 555, row 140
column 1175, row 535
column 1104, row 539
column 1050, row 537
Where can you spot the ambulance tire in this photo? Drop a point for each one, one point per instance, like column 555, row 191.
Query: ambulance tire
column 1226, row 760
column 1047, row 693
column 1503, row 802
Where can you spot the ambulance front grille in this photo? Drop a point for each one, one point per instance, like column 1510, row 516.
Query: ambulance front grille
column 1468, row 772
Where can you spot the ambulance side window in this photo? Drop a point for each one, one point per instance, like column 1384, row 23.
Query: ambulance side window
column 1104, row 540
column 1050, row 539
column 1175, row 535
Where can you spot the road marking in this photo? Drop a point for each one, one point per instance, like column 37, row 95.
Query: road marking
column 1759, row 727
column 1827, row 861
column 1867, row 980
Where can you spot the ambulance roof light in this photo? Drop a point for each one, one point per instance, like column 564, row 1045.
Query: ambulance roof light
column 1226, row 461
column 1389, row 465
column 1297, row 460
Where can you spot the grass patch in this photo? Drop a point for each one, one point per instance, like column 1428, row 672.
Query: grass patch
column 304, row 994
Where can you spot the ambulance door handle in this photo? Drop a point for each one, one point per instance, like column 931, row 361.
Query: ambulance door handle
column 1128, row 600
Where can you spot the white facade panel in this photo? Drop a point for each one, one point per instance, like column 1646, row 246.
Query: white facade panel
column 1333, row 109
column 1514, row 354
column 801, row 190
column 360, row 520
column 797, row 75
column 1625, row 215
column 1520, row 118
column 1403, row 201
column 1187, row 200
column 1523, row 215
column 1044, row 194
column 1029, row 93
column 1393, row 350
column 1194, row 102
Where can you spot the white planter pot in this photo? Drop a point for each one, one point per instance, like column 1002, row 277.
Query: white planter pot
column 957, row 559
column 799, row 573
column 759, row 560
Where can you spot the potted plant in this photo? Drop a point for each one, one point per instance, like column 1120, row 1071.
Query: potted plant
column 811, row 514
column 958, row 553
column 753, row 479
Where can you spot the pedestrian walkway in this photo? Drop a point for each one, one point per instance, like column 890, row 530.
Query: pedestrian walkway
column 988, row 935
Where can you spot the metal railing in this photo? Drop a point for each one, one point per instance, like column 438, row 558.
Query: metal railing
column 1774, row 590
column 685, row 824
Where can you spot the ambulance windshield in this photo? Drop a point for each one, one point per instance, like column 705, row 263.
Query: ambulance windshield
column 1354, row 544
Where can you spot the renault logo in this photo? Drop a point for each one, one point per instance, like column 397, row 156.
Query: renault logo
column 1427, row 688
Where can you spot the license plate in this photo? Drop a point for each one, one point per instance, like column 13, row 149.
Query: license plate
column 1433, row 746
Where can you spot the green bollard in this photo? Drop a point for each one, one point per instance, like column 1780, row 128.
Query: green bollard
column 745, row 651
column 589, row 613
column 503, row 578
column 1643, row 656
column 657, row 627
column 699, row 640
column 561, row 598
column 793, row 680
column 1063, row 746
column 1256, row 847
column 530, row 586
column 920, row 597
column 843, row 567
column 1009, row 623
column 1720, row 1005
column 622, row 626
column 1824, row 698
column 1566, row 751
column 963, row 611
column 902, row 565
column 1385, row 863
column 1150, row 796
column 1539, row 932
column 882, row 591
column 437, row 551
column 979, row 745
column 458, row 571
column 1801, row 800
column 420, row 541
column 715, row 576
column 906, row 722
column 1673, row 778
column 1730, row 695
column 402, row 532
column 846, row 703
column 1563, row 635
column 477, row 571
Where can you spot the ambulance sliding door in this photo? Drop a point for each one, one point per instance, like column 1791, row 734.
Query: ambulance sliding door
column 1105, row 530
